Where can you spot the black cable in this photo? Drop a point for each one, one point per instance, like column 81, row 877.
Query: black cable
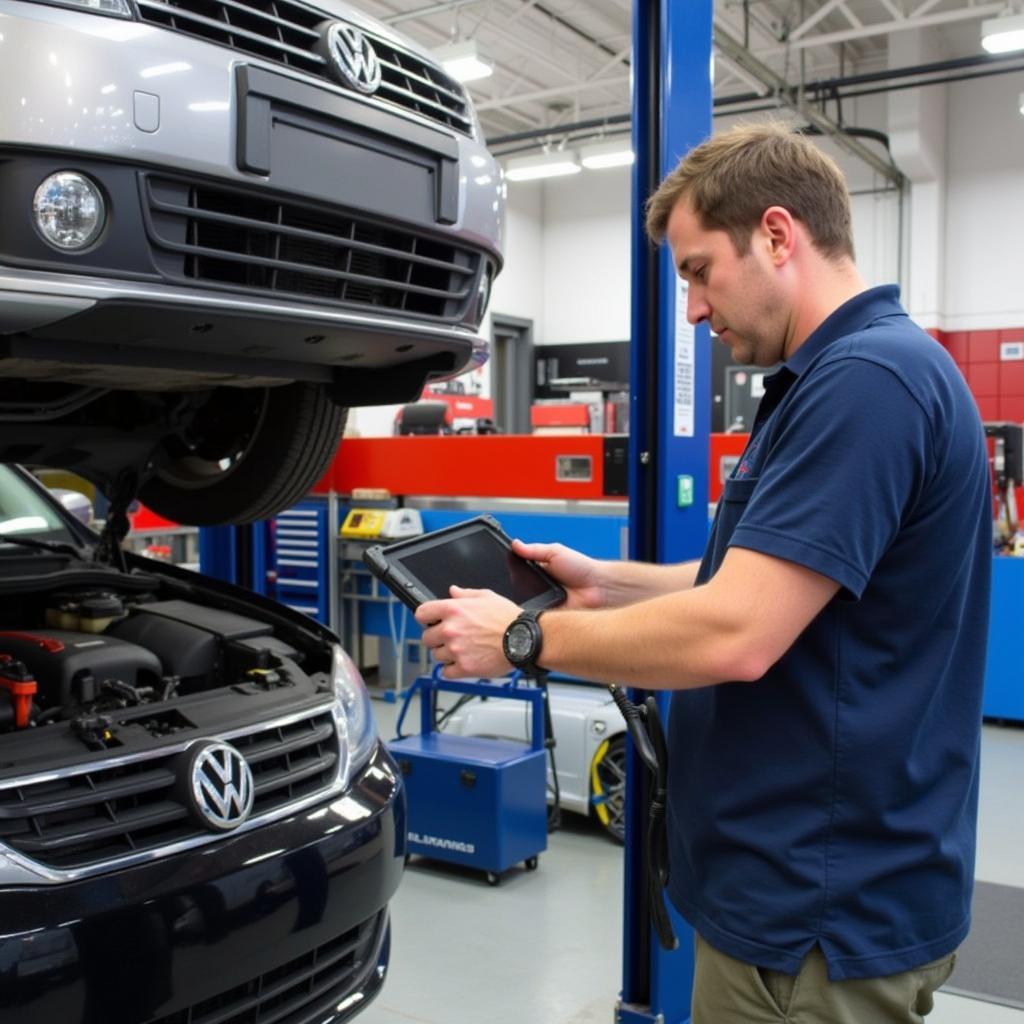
column 644, row 725
column 440, row 720
column 555, row 811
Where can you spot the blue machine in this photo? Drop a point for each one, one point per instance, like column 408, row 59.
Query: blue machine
column 477, row 802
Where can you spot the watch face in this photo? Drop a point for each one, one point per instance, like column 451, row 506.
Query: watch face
column 520, row 641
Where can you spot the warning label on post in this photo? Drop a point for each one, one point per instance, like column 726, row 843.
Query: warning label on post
column 684, row 365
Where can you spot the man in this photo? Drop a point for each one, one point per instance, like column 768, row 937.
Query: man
column 827, row 654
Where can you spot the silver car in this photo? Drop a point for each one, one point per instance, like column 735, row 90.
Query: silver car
column 223, row 223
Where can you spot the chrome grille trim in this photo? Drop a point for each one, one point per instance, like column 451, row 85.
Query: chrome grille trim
column 410, row 82
column 231, row 30
column 45, row 874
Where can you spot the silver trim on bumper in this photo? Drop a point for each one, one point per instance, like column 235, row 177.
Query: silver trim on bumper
column 15, row 866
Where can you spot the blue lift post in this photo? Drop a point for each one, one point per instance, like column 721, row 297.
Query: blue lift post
column 670, row 426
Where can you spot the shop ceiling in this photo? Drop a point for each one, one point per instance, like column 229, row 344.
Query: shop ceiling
column 561, row 67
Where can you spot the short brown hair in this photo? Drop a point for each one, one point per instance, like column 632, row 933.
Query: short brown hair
column 732, row 178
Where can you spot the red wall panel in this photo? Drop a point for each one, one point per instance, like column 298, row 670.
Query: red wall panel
column 983, row 379
column 956, row 345
column 983, row 346
column 1011, row 377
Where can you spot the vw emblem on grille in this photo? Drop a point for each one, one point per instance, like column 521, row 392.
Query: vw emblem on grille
column 220, row 786
column 353, row 56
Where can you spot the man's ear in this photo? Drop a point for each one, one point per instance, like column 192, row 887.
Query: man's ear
column 779, row 227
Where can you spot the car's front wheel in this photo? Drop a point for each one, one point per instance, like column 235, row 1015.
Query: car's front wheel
column 608, row 786
column 249, row 454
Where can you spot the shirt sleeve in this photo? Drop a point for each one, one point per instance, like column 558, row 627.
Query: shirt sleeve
column 843, row 471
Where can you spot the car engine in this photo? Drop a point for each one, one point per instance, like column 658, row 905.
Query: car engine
column 95, row 659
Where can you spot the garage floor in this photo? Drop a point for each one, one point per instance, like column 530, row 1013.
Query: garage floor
column 545, row 947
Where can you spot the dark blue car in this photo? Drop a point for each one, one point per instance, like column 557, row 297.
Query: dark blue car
column 198, row 824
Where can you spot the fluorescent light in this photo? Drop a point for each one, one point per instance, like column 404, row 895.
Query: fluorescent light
column 1022, row 103
column 463, row 62
column 1003, row 34
column 607, row 154
column 546, row 165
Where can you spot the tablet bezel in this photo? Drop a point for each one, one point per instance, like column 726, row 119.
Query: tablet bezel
column 386, row 562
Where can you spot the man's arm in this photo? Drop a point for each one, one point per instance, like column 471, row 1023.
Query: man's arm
column 594, row 583
column 733, row 628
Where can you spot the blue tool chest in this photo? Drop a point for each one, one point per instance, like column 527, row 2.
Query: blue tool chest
column 475, row 801
column 301, row 561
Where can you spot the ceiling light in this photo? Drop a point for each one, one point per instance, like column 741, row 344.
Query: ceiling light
column 607, row 154
column 546, row 165
column 464, row 62
column 1003, row 34
column 1022, row 103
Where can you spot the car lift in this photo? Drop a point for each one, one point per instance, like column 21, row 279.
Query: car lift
column 670, row 419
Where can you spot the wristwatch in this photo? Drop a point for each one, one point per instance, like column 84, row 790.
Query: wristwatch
column 522, row 641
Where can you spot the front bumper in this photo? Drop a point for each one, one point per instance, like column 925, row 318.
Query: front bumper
column 293, row 915
column 269, row 227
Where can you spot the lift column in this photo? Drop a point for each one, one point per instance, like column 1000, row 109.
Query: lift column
column 670, row 425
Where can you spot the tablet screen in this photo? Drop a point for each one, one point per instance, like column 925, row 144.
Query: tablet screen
column 476, row 560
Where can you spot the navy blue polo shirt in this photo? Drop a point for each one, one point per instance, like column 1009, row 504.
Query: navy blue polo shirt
column 834, row 801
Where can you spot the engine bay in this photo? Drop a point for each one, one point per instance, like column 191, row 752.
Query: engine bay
column 96, row 669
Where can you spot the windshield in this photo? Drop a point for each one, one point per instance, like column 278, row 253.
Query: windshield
column 24, row 512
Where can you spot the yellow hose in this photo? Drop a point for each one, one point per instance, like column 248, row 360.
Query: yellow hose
column 600, row 808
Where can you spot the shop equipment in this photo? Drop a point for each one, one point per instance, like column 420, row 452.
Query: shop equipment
column 477, row 802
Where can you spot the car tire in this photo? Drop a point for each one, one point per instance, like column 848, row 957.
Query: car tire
column 291, row 436
column 608, row 787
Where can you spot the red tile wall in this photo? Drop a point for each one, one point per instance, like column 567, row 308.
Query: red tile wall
column 997, row 386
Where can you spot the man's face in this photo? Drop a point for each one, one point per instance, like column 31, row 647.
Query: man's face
column 738, row 295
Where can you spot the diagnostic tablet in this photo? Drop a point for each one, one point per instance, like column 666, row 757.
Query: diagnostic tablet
column 476, row 554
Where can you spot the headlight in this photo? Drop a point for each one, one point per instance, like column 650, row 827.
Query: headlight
column 352, row 713
column 69, row 211
column 115, row 8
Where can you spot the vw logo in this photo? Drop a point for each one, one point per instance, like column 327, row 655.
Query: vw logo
column 353, row 57
column 220, row 786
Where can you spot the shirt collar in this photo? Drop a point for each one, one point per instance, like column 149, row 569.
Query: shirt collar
column 853, row 315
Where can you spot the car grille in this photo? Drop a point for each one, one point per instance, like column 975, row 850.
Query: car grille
column 95, row 816
column 303, row 990
column 287, row 33
column 227, row 236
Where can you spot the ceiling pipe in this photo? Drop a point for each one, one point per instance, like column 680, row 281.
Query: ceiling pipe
column 619, row 123
column 787, row 96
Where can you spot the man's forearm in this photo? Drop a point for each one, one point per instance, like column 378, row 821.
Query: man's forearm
column 625, row 583
column 673, row 641
column 731, row 629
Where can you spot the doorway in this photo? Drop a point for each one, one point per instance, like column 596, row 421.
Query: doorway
column 511, row 372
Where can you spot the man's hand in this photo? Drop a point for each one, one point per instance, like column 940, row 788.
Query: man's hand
column 465, row 633
column 578, row 573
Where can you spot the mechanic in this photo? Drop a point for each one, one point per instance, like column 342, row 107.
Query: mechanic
column 827, row 653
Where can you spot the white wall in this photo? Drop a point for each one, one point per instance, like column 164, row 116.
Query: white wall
column 587, row 257
column 984, row 278
column 519, row 289
column 586, row 239
column 876, row 220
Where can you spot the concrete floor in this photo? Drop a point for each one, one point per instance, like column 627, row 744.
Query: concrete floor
column 545, row 947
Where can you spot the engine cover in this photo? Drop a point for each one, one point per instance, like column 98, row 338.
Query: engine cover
column 61, row 661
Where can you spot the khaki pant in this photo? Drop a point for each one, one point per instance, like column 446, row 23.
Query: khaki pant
column 727, row 991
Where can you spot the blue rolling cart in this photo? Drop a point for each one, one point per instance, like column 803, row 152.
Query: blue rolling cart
column 477, row 802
